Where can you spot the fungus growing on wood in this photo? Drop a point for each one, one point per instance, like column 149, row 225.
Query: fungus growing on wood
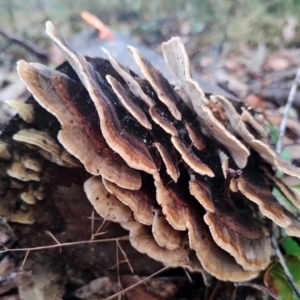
column 191, row 159
column 46, row 146
column 166, row 125
column 170, row 165
column 77, row 135
column 139, row 201
column 161, row 86
column 242, row 237
column 32, row 164
column 165, row 235
column 178, row 62
column 124, row 98
column 254, row 187
column 133, row 85
column 9, row 212
column 17, row 170
column 195, row 135
column 141, row 238
column 105, row 203
column 24, row 110
column 259, row 146
column 201, row 191
column 129, row 146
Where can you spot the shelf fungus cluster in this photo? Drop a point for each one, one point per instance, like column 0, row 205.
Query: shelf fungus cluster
column 188, row 174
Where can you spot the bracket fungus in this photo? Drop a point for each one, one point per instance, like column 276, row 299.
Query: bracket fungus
column 184, row 171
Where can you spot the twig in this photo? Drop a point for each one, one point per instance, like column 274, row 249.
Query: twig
column 96, row 23
column 99, row 229
column 54, row 238
column 214, row 291
column 24, row 261
column 115, row 265
column 92, row 225
column 118, row 271
column 188, row 275
column 125, row 256
column 24, row 43
column 284, row 266
column 124, row 238
column 287, row 108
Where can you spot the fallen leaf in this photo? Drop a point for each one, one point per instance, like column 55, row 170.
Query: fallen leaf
column 281, row 60
column 95, row 22
column 276, row 63
column 277, row 282
column 254, row 101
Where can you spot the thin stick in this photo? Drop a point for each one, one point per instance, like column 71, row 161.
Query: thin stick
column 287, row 108
column 118, row 270
column 124, row 238
column 214, row 291
column 24, row 43
column 24, row 260
column 136, row 284
column 54, row 238
column 188, row 275
column 284, row 266
column 92, row 225
column 99, row 228
column 100, row 219
column 125, row 256
column 115, row 265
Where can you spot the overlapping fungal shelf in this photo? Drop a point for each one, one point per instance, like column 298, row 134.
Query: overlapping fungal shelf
column 181, row 172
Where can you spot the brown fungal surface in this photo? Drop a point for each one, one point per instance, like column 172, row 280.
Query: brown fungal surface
column 141, row 238
column 191, row 159
column 133, row 85
column 164, row 233
column 195, row 136
column 162, row 122
column 139, row 201
column 161, row 86
column 105, row 203
column 183, row 172
column 24, row 110
column 178, row 62
column 200, row 190
column 256, row 190
column 124, row 98
column 242, row 237
column 263, row 149
column 171, row 168
column 75, row 134
column 129, row 146
column 17, row 170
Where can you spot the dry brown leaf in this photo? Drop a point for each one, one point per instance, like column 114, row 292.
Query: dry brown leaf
column 95, row 22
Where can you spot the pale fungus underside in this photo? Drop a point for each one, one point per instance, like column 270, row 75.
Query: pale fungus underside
column 188, row 174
